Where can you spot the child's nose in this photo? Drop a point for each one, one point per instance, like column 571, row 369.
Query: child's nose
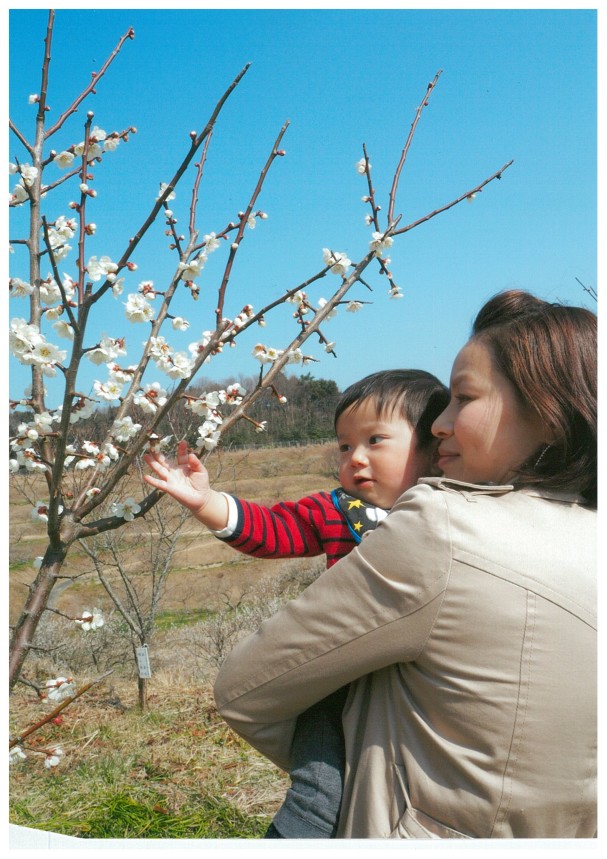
column 359, row 455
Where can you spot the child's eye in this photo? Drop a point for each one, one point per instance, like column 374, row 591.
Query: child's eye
column 344, row 448
column 375, row 439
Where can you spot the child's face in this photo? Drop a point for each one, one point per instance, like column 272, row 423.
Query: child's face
column 379, row 459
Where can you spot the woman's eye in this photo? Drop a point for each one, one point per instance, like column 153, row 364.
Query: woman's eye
column 462, row 398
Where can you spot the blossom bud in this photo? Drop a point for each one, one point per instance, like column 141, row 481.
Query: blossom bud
column 73, row 205
column 89, row 229
column 263, row 215
column 234, row 246
column 132, row 266
column 90, row 114
column 34, row 98
column 193, row 135
column 84, row 187
column 281, row 152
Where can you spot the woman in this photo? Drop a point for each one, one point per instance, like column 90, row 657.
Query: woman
column 465, row 622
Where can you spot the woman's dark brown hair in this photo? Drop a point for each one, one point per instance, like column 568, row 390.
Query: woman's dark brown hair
column 549, row 354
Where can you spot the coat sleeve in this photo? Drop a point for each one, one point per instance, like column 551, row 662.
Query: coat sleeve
column 372, row 609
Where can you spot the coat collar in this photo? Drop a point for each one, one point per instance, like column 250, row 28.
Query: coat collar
column 495, row 489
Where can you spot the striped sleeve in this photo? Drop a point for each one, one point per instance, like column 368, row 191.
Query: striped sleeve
column 304, row 528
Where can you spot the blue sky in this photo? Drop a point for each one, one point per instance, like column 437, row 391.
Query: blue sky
column 515, row 84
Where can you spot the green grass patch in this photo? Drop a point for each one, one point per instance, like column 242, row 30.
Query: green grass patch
column 144, row 814
column 180, row 617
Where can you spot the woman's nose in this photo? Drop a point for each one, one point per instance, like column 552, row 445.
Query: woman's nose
column 441, row 427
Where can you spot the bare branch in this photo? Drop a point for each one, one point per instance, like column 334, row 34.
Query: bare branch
column 96, row 76
column 468, row 195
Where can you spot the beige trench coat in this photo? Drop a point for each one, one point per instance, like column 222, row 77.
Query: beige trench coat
column 466, row 626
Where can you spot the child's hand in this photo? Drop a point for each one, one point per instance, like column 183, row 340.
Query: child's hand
column 187, row 481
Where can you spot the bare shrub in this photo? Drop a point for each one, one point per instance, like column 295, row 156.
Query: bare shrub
column 210, row 641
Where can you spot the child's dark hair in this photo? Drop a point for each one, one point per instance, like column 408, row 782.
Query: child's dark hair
column 418, row 396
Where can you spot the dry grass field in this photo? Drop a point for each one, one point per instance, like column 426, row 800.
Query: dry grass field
column 175, row 770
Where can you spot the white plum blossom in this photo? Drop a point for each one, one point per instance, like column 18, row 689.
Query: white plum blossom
column 338, row 262
column 19, row 194
column 150, row 397
column 138, row 308
column 23, row 337
column 28, row 174
column 108, row 391
column 266, row 354
column 163, row 187
column 179, row 367
column 395, row 292
column 102, row 267
column 16, row 754
column 64, row 329
column 361, row 166
column 191, row 270
column 107, row 350
column 53, row 759
column 90, row 620
column 234, row 393
column 354, row 306
column 59, row 689
column 97, row 134
column 34, row 98
column 64, row 159
column 126, row 509
column 211, row 243
column 19, row 288
column 379, row 243
column 261, row 426
column 209, row 435
column 45, row 356
column 251, row 221
column 110, row 144
column 124, row 429
column 329, row 347
column 121, row 374
column 81, row 410
column 49, row 291
column 180, row 324
column 154, row 442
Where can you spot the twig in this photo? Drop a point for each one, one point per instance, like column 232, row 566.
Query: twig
column 16, row 741
column 497, row 175
column 405, row 151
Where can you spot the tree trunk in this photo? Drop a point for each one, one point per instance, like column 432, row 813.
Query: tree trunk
column 37, row 601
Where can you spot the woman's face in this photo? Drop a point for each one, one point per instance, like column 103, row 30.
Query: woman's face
column 484, row 433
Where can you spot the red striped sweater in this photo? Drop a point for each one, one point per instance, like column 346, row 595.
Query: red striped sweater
column 304, row 528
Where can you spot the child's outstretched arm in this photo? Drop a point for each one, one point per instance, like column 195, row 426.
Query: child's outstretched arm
column 187, row 481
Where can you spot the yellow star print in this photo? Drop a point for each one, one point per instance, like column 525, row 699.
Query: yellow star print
column 356, row 502
column 358, row 526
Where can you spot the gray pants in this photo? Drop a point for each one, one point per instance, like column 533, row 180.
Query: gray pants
column 311, row 806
